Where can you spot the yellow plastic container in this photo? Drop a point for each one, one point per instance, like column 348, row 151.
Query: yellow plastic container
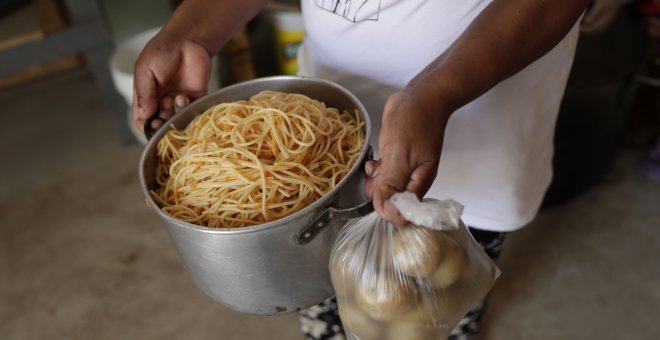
column 289, row 34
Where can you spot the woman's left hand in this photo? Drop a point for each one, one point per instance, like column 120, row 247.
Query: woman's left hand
column 410, row 144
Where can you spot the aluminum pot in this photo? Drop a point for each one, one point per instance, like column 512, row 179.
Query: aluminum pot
column 277, row 267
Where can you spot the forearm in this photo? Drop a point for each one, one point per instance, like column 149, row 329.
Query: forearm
column 505, row 37
column 211, row 23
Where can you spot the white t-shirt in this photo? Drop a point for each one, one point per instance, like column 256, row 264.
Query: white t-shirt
column 497, row 151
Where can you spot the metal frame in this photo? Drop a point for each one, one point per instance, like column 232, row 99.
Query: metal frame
column 87, row 35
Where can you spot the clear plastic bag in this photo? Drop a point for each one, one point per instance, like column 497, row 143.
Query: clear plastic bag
column 413, row 283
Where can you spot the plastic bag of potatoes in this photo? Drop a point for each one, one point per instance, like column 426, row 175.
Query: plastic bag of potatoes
column 412, row 283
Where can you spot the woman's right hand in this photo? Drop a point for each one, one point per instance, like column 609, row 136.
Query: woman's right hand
column 170, row 72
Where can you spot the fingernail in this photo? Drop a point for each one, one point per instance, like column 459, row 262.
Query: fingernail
column 369, row 169
column 156, row 123
column 375, row 172
column 166, row 103
column 165, row 114
column 181, row 100
column 143, row 112
column 390, row 210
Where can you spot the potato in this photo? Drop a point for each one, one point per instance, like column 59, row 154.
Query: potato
column 385, row 296
column 344, row 272
column 358, row 323
column 406, row 330
column 452, row 266
column 423, row 315
column 417, row 251
column 437, row 308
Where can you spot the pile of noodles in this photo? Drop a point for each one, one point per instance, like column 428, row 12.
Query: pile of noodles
column 253, row 161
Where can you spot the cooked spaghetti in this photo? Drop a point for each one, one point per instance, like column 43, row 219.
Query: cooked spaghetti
column 253, row 161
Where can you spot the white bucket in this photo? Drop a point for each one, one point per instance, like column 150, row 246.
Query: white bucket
column 122, row 64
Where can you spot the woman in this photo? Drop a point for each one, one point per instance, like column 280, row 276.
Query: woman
column 478, row 82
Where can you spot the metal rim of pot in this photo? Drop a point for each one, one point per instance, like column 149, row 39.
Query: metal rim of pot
column 324, row 211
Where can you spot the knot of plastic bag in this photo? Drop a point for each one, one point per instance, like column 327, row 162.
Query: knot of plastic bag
column 429, row 213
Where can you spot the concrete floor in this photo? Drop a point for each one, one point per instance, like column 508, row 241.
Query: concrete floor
column 81, row 257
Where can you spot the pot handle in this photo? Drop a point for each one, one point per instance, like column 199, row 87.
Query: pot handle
column 318, row 223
